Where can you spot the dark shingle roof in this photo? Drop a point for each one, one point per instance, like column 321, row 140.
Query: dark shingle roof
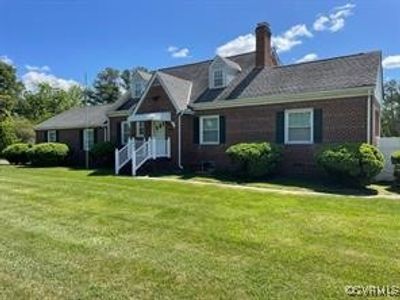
column 323, row 75
column 197, row 73
column 78, row 117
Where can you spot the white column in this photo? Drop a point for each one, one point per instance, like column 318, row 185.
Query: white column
column 116, row 161
column 169, row 147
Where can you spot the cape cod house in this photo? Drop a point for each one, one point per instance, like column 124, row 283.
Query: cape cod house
column 188, row 115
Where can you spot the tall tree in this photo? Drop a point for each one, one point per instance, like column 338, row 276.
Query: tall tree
column 391, row 109
column 106, row 88
column 48, row 101
column 127, row 74
column 10, row 89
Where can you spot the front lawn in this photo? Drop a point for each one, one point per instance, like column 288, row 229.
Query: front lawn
column 74, row 235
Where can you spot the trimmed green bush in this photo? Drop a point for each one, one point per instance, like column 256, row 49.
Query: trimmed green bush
column 17, row 153
column 352, row 163
column 255, row 159
column 103, row 153
column 48, row 154
column 395, row 158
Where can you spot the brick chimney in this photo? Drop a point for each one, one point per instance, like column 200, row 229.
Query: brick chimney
column 263, row 46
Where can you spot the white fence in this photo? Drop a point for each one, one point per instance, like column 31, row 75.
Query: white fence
column 387, row 145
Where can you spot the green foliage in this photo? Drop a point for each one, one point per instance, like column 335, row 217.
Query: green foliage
column 103, row 153
column 255, row 159
column 352, row 163
column 10, row 89
column 17, row 153
column 24, row 130
column 48, row 154
column 102, row 149
column 395, row 157
column 7, row 133
column 106, row 87
column 391, row 109
column 47, row 101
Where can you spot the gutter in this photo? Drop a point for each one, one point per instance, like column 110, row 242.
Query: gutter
column 284, row 98
column 369, row 118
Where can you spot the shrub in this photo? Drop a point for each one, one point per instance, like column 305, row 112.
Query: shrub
column 255, row 159
column 395, row 158
column 353, row 163
column 17, row 153
column 48, row 154
column 7, row 134
column 103, row 153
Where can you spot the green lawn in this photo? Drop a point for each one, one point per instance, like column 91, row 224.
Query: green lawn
column 74, row 235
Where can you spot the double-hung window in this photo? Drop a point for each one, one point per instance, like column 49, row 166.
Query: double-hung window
column 299, row 126
column 218, row 78
column 140, row 129
column 52, row 136
column 209, row 130
column 125, row 132
column 88, row 139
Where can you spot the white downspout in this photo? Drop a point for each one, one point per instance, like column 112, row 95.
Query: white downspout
column 369, row 118
column 179, row 141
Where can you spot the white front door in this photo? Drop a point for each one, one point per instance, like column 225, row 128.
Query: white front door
column 158, row 134
column 158, row 129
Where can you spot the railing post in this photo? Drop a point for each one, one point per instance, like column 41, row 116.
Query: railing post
column 133, row 158
column 154, row 148
column 116, row 161
column 169, row 147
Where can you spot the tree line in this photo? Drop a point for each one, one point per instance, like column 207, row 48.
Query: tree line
column 21, row 109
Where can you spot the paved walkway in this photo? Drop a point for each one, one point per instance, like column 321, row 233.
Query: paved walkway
column 267, row 189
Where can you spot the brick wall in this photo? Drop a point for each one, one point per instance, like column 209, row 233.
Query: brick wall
column 344, row 120
column 71, row 137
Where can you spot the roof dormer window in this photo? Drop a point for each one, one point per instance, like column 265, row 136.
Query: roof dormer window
column 218, row 78
column 221, row 72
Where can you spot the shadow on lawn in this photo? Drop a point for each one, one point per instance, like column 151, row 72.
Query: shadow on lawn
column 321, row 185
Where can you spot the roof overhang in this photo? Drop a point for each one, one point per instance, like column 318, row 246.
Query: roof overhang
column 157, row 116
column 285, row 98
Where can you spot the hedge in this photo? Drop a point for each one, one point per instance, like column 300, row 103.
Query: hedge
column 255, row 159
column 103, row 153
column 352, row 163
column 48, row 154
column 17, row 153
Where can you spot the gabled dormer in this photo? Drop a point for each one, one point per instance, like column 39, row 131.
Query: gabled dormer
column 221, row 72
column 140, row 80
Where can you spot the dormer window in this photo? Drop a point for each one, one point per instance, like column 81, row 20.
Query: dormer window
column 218, row 78
column 221, row 72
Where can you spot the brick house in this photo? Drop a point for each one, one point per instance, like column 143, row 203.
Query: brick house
column 188, row 115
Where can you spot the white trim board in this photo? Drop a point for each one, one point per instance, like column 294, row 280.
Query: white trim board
column 284, row 98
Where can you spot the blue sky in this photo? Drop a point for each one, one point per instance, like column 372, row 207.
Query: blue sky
column 59, row 40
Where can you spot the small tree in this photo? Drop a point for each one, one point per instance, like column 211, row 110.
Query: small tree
column 7, row 134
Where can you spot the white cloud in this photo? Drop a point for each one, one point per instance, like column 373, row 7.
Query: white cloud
column 178, row 52
column 31, row 80
column 307, row 57
column 37, row 69
column 291, row 38
column 335, row 20
column 241, row 44
column 391, row 62
column 283, row 42
column 7, row 60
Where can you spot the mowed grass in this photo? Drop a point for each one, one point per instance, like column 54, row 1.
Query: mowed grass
column 67, row 234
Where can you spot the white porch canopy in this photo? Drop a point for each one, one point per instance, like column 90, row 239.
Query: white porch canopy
column 159, row 116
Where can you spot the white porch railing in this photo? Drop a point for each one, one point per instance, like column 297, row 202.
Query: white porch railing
column 140, row 152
